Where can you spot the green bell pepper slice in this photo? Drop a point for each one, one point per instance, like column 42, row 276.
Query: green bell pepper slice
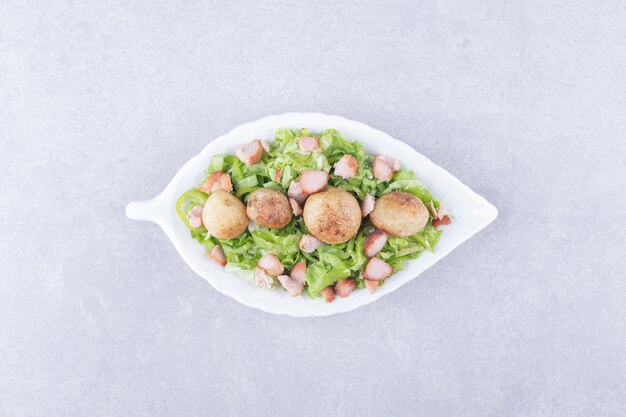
column 186, row 202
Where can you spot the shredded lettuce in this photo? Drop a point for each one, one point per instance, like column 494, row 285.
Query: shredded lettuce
column 329, row 263
column 397, row 250
column 277, row 169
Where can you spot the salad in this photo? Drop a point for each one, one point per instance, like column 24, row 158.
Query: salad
column 311, row 212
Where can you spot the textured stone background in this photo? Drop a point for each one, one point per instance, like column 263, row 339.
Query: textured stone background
column 102, row 102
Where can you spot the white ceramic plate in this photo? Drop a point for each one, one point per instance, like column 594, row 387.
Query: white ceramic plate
column 471, row 212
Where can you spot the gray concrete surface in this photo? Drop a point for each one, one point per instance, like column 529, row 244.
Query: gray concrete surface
column 102, row 102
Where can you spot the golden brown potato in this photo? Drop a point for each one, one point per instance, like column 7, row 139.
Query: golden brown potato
column 224, row 215
column 269, row 208
column 332, row 216
column 399, row 214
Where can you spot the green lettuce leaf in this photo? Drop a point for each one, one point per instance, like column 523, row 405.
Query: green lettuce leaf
column 329, row 263
column 397, row 250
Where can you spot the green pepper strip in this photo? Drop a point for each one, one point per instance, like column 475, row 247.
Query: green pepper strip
column 186, row 202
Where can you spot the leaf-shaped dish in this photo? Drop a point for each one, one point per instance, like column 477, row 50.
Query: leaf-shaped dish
column 472, row 212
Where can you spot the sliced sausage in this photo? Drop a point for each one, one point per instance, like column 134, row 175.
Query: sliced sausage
column 294, row 288
column 329, row 294
column 309, row 243
column 217, row 181
column 367, row 205
column 295, row 192
column 313, row 181
column 444, row 221
column 261, row 279
column 294, row 283
column 393, row 163
column 195, row 216
column 372, row 286
column 271, row 264
column 345, row 287
column 375, row 243
column 295, row 207
column 382, row 169
column 309, row 144
column 251, row 153
column 432, row 209
column 298, row 272
column 439, row 214
column 442, row 212
column 278, row 174
column 377, row 269
column 346, row 167
column 217, row 254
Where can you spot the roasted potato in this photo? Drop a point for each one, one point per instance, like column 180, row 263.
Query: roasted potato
column 399, row 214
column 224, row 215
column 332, row 216
column 269, row 208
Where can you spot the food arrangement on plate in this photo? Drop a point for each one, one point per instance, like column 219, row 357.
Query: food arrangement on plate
column 311, row 212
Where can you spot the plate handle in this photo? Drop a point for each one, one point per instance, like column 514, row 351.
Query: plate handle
column 148, row 210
